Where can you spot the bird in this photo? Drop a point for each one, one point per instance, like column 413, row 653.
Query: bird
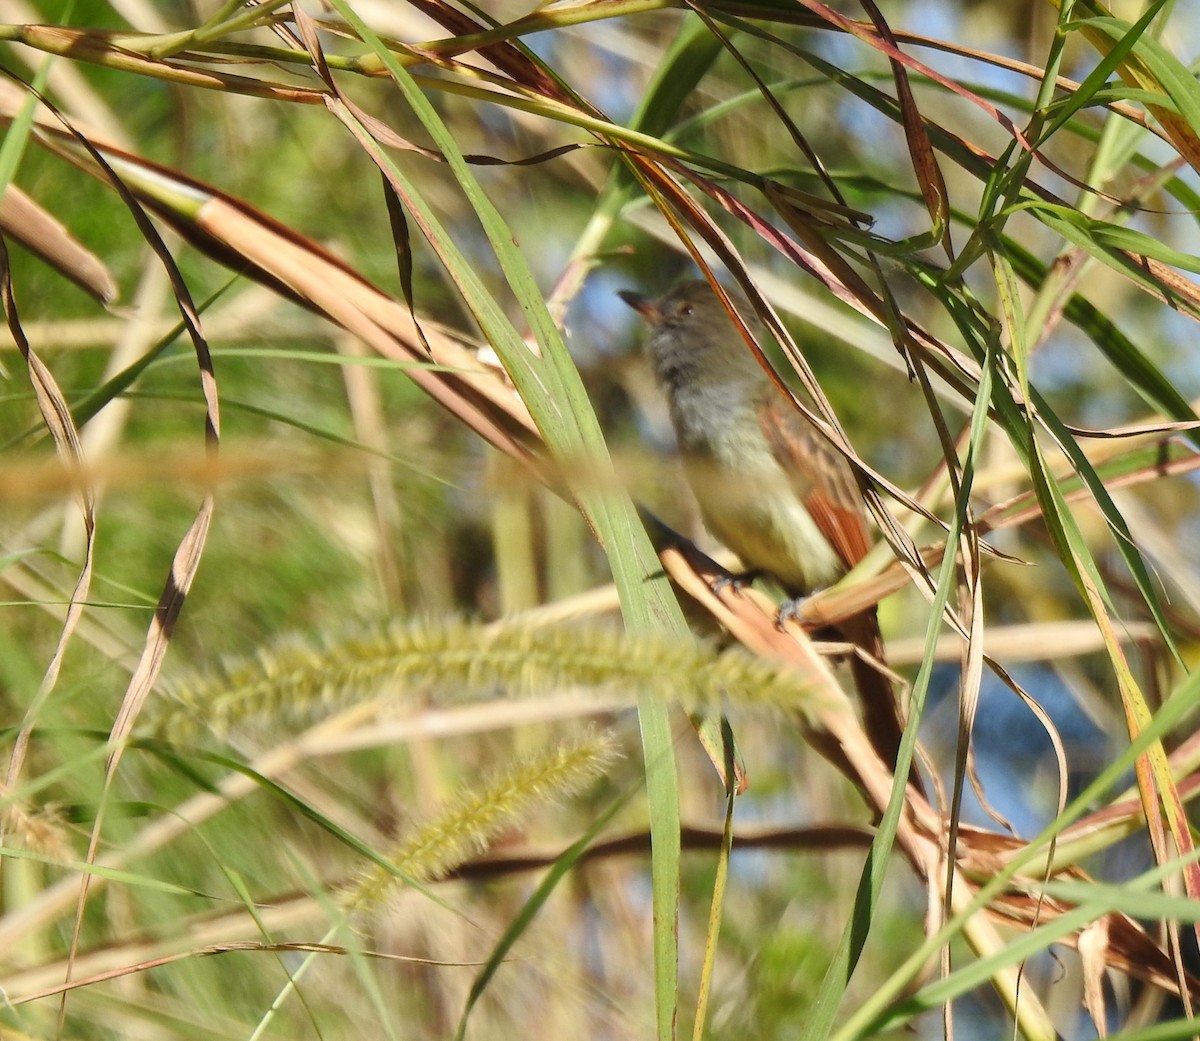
column 770, row 486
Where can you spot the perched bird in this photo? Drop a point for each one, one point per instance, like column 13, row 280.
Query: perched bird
column 768, row 484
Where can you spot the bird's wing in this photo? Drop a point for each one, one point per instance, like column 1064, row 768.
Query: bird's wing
column 822, row 477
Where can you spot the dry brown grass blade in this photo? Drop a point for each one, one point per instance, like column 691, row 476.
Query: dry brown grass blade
column 42, row 234
column 508, row 58
column 832, row 605
column 104, row 48
column 456, row 379
column 57, row 416
column 1032, row 72
column 1022, row 508
column 245, row 239
column 1035, row 641
column 970, row 611
column 188, row 555
column 920, row 148
column 1130, row 949
column 1093, row 947
column 1126, row 812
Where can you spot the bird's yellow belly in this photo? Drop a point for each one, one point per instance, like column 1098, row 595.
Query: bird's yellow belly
column 764, row 522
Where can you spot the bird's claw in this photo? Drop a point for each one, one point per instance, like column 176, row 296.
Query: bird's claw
column 736, row 582
column 791, row 610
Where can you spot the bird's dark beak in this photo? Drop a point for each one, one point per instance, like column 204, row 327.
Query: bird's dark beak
column 646, row 308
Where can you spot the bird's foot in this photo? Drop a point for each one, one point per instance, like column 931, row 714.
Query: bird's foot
column 792, row 609
column 737, row 582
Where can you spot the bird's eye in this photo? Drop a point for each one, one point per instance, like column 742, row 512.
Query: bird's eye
column 685, row 310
